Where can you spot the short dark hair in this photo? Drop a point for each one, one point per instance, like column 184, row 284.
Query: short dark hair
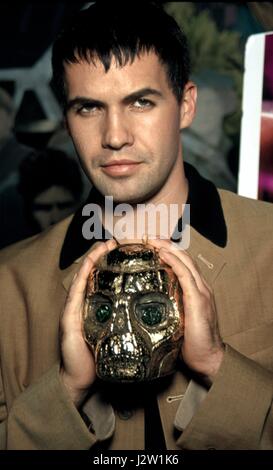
column 123, row 31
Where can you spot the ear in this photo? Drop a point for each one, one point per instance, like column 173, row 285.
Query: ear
column 188, row 105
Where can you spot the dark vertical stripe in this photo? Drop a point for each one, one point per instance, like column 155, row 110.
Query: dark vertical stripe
column 154, row 436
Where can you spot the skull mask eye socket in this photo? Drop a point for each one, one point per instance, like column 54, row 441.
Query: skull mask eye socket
column 151, row 310
column 101, row 308
column 103, row 313
column 151, row 314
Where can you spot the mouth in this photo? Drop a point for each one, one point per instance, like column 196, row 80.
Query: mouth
column 125, row 368
column 117, row 362
column 120, row 167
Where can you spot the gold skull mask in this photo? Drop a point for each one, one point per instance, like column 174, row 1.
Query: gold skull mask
column 133, row 316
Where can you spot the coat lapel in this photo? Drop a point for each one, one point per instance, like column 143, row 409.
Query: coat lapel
column 209, row 258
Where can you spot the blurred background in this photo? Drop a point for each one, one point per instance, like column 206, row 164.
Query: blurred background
column 40, row 177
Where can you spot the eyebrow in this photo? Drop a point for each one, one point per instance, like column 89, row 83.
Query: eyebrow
column 140, row 93
column 82, row 100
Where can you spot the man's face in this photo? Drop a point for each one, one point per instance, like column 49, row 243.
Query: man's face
column 125, row 126
column 52, row 205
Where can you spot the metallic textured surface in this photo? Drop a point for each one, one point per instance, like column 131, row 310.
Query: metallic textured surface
column 133, row 316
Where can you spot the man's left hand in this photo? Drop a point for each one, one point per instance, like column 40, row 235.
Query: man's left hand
column 202, row 348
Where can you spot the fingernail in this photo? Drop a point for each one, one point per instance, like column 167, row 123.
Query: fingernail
column 111, row 243
column 145, row 239
column 163, row 252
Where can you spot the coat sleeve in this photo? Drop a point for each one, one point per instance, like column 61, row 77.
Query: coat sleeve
column 237, row 411
column 42, row 418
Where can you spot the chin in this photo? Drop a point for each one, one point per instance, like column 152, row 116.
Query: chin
column 126, row 192
column 130, row 199
column 123, row 197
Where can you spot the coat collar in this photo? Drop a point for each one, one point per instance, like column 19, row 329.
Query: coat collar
column 208, row 231
column 207, row 216
column 208, row 235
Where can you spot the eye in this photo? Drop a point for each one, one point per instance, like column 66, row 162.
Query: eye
column 151, row 313
column 142, row 103
column 86, row 109
column 103, row 313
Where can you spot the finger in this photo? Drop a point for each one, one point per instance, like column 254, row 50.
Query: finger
column 102, row 247
column 183, row 273
column 89, row 262
column 192, row 266
column 157, row 242
column 186, row 259
column 77, row 290
column 71, row 318
column 171, row 246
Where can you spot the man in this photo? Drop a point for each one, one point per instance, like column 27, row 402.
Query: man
column 123, row 77
column 51, row 186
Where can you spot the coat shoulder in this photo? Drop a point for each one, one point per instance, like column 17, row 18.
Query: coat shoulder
column 37, row 249
column 246, row 211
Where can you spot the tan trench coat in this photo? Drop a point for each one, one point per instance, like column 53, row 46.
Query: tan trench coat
column 233, row 247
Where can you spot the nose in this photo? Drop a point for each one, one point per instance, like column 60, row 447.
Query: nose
column 116, row 133
column 121, row 321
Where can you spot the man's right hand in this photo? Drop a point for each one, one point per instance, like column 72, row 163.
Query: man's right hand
column 78, row 370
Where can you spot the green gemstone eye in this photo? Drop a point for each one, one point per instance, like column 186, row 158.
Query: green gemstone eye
column 103, row 313
column 151, row 314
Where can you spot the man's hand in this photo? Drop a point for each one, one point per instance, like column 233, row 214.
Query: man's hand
column 78, row 370
column 202, row 348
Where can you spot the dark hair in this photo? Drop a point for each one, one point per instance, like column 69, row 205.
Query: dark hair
column 123, row 31
column 50, row 167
